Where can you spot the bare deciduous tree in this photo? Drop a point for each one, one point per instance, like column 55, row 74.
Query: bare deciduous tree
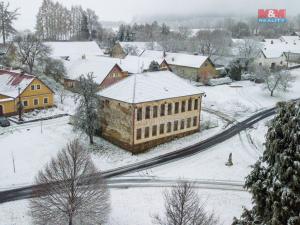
column 62, row 95
column 86, row 117
column 213, row 43
column 248, row 50
column 68, row 194
column 275, row 79
column 184, row 207
column 29, row 49
column 7, row 18
column 93, row 22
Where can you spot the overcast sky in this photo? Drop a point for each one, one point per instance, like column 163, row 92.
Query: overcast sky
column 125, row 10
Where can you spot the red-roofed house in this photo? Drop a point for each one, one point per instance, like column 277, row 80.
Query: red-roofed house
column 15, row 85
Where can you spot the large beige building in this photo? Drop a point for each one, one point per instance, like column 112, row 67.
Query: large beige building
column 144, row 110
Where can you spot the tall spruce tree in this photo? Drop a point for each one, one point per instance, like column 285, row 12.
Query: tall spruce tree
column 275, row 179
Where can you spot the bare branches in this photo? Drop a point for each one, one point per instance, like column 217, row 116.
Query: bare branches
column 7, row 18
column 183, row 206
column 70, row 195
column 275, row 79
column 248, row 50
column 29, row 49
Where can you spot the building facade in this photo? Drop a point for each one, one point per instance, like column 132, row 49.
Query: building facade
column 139, row 125
column 203, row 73
column 117, row 51
column 271, row 60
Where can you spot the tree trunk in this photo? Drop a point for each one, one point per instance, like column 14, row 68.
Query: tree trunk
column 70, row 220
column 30, row 68
column 272, row 93
column 91, row 139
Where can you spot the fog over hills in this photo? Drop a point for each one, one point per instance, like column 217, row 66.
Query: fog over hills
column 171, row 11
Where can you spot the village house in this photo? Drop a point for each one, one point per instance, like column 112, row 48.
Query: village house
column 105, row 70
column 193, row 67
column 122, row 49
column 16, row 86
column 148, row 109
column 271, row 57
column 282, row 52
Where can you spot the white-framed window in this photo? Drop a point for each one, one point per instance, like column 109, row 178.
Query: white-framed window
column 38, row 86
column 33, row 87
column 25, row 103
column 35, row 101
column 46, row 101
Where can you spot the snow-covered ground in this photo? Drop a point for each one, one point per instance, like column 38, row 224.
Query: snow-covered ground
column 242, row 98
column 136, row 206
column 30, row 147
column 210, row 164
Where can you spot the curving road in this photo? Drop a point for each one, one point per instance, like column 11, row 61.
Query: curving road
column 27, row 192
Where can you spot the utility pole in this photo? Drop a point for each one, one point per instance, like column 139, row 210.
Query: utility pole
column 20, row 106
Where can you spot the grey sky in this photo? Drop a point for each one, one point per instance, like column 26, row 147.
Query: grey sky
column 125, row 10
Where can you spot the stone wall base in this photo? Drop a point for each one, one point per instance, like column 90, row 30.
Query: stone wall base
column 143, row 147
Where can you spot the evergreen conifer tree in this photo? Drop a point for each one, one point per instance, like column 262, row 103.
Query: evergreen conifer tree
column 275, row 179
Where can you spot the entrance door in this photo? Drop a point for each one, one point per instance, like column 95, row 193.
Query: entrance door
column 1, row 110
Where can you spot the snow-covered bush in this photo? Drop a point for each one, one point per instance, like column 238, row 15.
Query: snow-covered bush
column 219, row 81
column 248, row 76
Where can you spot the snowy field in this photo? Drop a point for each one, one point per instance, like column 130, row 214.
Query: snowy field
column 29, row 147
column 242, row 98
column 38, row 142
column 136, row 206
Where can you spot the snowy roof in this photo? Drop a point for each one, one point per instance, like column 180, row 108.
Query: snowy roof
column 140, row 47
column 290, row 39
column 74, row 49
column 153, row 54
column 11, row 81
column 297, row 33
column 238, row 41
column 277, row 49
column 180, row 59
column 150, row 86
column 100, row 66
column 183, row 59
column 136, row 64
column 271, row 41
